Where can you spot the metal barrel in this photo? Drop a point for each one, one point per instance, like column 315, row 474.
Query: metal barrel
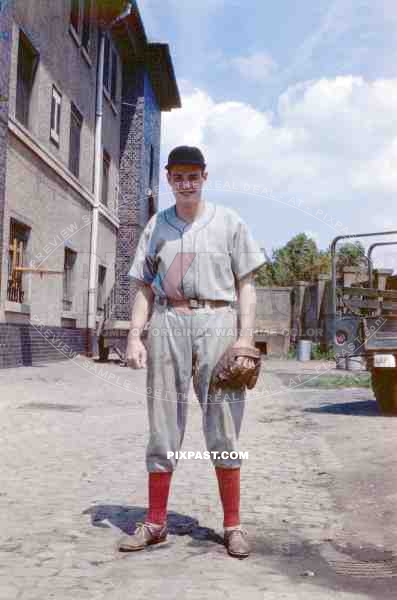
column 355, row 363
column 304, row 350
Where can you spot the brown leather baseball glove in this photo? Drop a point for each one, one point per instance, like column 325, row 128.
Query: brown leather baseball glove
column 229, row 374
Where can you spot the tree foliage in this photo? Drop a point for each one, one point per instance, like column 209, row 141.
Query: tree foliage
column 351, row 254
column 298, row 260
column 301, row 260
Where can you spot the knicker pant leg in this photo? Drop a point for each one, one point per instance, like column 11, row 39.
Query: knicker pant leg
column 169, row 371
column 222, row 412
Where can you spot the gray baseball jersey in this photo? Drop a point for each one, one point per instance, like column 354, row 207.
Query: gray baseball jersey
column 202, row 259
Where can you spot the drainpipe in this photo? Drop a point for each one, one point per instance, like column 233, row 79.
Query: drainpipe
column 92, row 286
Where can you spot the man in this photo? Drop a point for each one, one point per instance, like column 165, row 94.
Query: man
column 192, row 259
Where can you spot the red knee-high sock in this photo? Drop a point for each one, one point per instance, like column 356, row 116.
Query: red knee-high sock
column 229, row 490
column 159, row 487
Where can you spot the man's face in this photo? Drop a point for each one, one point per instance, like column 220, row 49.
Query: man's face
column 186, row 182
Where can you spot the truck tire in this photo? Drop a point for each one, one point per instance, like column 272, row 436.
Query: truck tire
column 384, row 385
column 103, row 350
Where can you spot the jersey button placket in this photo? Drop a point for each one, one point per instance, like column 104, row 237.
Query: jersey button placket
column 186, row 248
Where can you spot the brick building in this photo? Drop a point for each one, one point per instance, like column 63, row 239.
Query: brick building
column 48, row 119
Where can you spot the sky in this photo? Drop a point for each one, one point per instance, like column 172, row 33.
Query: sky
column 295, row 108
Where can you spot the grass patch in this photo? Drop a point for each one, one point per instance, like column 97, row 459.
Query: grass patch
column 318, row 354
column 315, row 354
column 331, row 382
column 292, row 354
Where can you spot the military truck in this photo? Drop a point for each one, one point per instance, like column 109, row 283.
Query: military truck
column 362, row 322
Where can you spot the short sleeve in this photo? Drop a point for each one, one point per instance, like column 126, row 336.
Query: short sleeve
column 246, row 253
column 142, row 267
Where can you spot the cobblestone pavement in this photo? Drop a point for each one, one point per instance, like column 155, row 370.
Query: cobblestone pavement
column 318, row 496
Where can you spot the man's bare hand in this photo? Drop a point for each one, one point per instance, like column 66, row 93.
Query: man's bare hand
column 136, row 353
column 243, row 361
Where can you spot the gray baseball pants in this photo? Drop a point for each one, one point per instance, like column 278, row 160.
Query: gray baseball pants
column 181, row 347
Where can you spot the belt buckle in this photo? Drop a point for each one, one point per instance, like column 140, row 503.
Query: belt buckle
column 194, row 303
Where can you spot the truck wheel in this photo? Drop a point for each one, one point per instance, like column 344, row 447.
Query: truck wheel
column 103, row 350
column 384, row 385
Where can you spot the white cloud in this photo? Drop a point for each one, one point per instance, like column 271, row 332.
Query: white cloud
column 329, row 140
column 313, row 235
column 256, row 67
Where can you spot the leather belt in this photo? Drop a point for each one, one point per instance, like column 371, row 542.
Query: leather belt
column 190, row 303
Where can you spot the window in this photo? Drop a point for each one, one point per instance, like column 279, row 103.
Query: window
column 151, row 203
column 86, row 28
column 80, row 22
column 26, row 71
column 113, row 87
column 76, row 122
column 105, row 177
column 75, row 14
column 55, row 115
column 110, row 70
column 106, row 63
column 151, row 166
column 101, row 289
column 151, row 206
column 68, row 291
column 19, row 235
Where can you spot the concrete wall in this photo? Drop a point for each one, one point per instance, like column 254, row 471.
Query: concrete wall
column 40, row 190
column 57, row 217
column 37, row 188
column 309, row 306
column 273, row 319
column 6, row 42
column 29, row 345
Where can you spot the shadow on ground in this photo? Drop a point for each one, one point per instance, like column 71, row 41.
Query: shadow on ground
column 282, row 548
column 364, row 408
column 125, row 518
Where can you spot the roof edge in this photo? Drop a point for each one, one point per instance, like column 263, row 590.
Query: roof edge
column 159, row 63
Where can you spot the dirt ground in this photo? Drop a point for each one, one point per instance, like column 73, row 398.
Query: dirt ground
column 318, row 492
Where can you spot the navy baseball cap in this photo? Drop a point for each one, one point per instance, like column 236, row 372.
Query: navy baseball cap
column 186, row 155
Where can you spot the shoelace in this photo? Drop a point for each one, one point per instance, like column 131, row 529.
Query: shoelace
column 145, row 528
column 242, row 532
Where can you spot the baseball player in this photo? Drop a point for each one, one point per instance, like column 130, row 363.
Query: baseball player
column 193, row 261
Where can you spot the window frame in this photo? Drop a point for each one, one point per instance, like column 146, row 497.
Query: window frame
column 85, row 24
column 55, row 115
column 72, row 25
column 76, row 118
column 111, row 70
column 18, row 232
column 114, row 76
column 106, row 63
column 101, row 283
column 81, row 27
column 21, row 94
column 106, row 160
column 69, row 262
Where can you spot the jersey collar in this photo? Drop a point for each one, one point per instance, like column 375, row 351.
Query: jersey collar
column 205, row 217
